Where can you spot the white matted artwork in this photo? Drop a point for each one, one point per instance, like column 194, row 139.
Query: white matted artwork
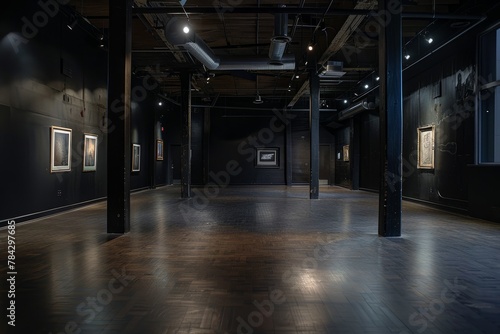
column 60, row 149
column 136, row 157
column 267, row 157
column 90, row 153
column 426, row 135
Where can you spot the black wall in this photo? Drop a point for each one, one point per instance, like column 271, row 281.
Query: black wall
column 234, row 136
column 58, row 77
column 35, row 95
column 436, row 93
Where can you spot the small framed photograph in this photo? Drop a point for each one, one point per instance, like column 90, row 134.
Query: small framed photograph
column 159, row 149
column 136, row 157
column 60, row 149
column 345, row 151
column 90, row 153
column 425, row 147
column 267, row 157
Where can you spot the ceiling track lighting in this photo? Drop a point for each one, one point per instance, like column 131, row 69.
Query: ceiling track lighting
column 72, row 22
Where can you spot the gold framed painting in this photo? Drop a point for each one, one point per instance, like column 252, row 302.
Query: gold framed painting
column 425, row 147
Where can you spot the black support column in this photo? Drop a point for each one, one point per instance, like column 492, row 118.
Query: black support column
column 391, row 120
column 289, row 151
column 314, row 131
column 354, row 153
column 119, row 91
column 206, row 145
column 186, row 135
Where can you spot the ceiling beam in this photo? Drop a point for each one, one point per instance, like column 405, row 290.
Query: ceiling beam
column 176, row 10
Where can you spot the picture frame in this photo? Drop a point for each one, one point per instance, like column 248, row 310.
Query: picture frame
column 90, row 152
column 60, row 149
column 345, row 151
column 159, row 150
column 267, row 157
column 425, row 147
column 136, row 158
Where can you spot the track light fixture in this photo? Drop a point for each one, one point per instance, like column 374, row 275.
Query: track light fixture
column 72, row 22
column 428, row 38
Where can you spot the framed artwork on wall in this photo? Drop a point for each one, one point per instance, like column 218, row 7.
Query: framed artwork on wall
column 136, row 157
column 60, row 149
column 267, row 157
column 159, row 149
column 345, row 150
column 425, row 147
column 89, row 152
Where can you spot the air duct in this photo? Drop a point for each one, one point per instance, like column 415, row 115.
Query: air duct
column 366, row 104
column 202, row 52
column 280, row 39
column 255, row 63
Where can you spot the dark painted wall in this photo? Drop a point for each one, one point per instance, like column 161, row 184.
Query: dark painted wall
column 342, row 168
column 437, row 92
column 369, row 151
column 35, row 95
column 234, row 136
column 58, row 77
column 301, row 148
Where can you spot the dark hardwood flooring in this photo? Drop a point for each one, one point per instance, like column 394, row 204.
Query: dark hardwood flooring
column 254, row 260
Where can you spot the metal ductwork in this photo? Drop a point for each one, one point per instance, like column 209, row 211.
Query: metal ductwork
column 366, row 104
column 255, row 63
column 280, row 38
column 202, row 52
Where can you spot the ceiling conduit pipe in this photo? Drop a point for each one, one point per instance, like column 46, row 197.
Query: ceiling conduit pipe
column 366, row 104
column 280, row 39
column 202, row 52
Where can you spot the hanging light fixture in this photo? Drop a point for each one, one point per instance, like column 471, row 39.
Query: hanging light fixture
column 258, row 99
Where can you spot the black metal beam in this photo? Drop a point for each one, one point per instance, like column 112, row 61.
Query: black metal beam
column 314, row 130
column 176, row 10
column 186, row 134
column 391, row 123
column 289, row 152
column 118, row 116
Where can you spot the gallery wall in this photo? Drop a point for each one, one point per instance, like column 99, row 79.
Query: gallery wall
column 58, row 77
column 438, row 92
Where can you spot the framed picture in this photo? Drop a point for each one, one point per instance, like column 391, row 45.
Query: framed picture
column 60, row 149
column 267, row 157
column 159, row 149
column 425, row 147
column 345, row 150
column 90, row 153
column 136, row 157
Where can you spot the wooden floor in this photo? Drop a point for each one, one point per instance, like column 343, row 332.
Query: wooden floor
column 254, row 260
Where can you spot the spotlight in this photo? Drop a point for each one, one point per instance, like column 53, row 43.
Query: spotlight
column 297, row 76
column 429, row 40
column 377, row 78
column 407, row 56
column 160, row 103
column 345, row 101
column 185, row 29
column 310, row 47
column 72, row 25
column 366, row 86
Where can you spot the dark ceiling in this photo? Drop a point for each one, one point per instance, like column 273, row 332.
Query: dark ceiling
column 341, row 30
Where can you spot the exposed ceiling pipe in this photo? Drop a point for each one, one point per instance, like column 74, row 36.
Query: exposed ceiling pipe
column 366, row 104
column 174, row 10
column 201, row 51
column 280, row 39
